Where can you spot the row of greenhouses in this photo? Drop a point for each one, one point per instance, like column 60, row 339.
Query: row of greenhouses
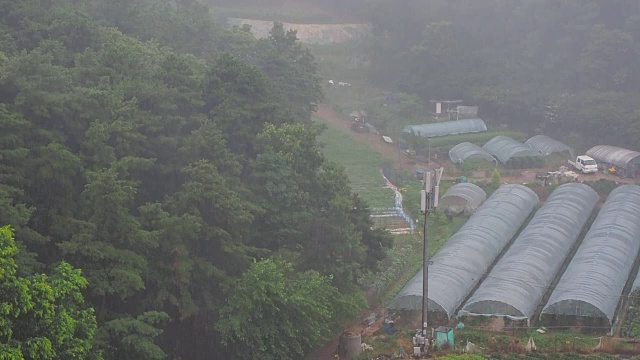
column 589, row 285
column 510, row 152
column 459, row 265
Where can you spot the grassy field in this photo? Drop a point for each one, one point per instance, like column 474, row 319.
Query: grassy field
column 362, row 165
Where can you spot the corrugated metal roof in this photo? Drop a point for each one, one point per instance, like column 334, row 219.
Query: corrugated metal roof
column 447, row 128
column 461, row 152
column 546, row 145
column 593, row 282
column 615, row 155
column 519, row 280
column 505, row 148
column 460, row 264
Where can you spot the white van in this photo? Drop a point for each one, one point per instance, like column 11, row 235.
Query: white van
column 585, row 164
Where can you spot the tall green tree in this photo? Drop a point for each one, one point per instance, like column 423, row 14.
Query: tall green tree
column 162, row 156
column 109, row 244
column 274, row 312
column 43, row 317
column 285, row 61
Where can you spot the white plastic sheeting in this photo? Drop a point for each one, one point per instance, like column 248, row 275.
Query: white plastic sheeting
column 615, row 155
column 461, row 152
column 464, row 197
column 517, row 283
column 460, row 264
column 594, row 280
column 447, row 128
column 398, row 203
column 504, row 148
column 546, row 145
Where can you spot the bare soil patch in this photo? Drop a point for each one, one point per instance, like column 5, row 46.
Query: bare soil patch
column 328, row 115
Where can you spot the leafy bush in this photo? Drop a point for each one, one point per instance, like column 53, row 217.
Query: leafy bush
column 477, row 337
column 304, row 307
column 603, row 186
column 631, row 326
column 496, row 180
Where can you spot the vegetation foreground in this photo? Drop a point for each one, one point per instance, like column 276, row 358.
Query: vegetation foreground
column 165, row 174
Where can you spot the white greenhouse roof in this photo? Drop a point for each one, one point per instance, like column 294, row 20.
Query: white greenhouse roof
column 615, row 155
column 460, row 264
column 517, row 283
column 593, row 282
column 461, row 152
column 472, row 197
column 504, row 148
column 447, row 128
column 546, row 145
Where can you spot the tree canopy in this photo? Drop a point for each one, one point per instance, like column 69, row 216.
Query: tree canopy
column 165, row 156
column 43, row 317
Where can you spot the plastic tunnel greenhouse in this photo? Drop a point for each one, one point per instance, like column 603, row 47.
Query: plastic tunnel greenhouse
column 460, row 264
column 546, row 145
column 463, row 197
column 463, row 151
column 622, row 158
column 519, row 280
column 507, row 150
column 594, row 280
column 447, row 128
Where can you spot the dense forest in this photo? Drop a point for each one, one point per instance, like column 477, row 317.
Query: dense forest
column 164, row 173
column 563, row 67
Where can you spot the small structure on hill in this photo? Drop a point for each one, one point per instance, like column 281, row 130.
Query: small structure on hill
column 466, row 111
column 626, row 162
column 439, row 107
column 444, row 337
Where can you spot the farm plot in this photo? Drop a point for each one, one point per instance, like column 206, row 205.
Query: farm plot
column 363, row 168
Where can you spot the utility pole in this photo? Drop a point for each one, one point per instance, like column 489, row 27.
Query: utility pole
column 429, row 154
column 429, row 201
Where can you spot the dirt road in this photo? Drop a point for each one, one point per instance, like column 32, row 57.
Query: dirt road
column 391, row 152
